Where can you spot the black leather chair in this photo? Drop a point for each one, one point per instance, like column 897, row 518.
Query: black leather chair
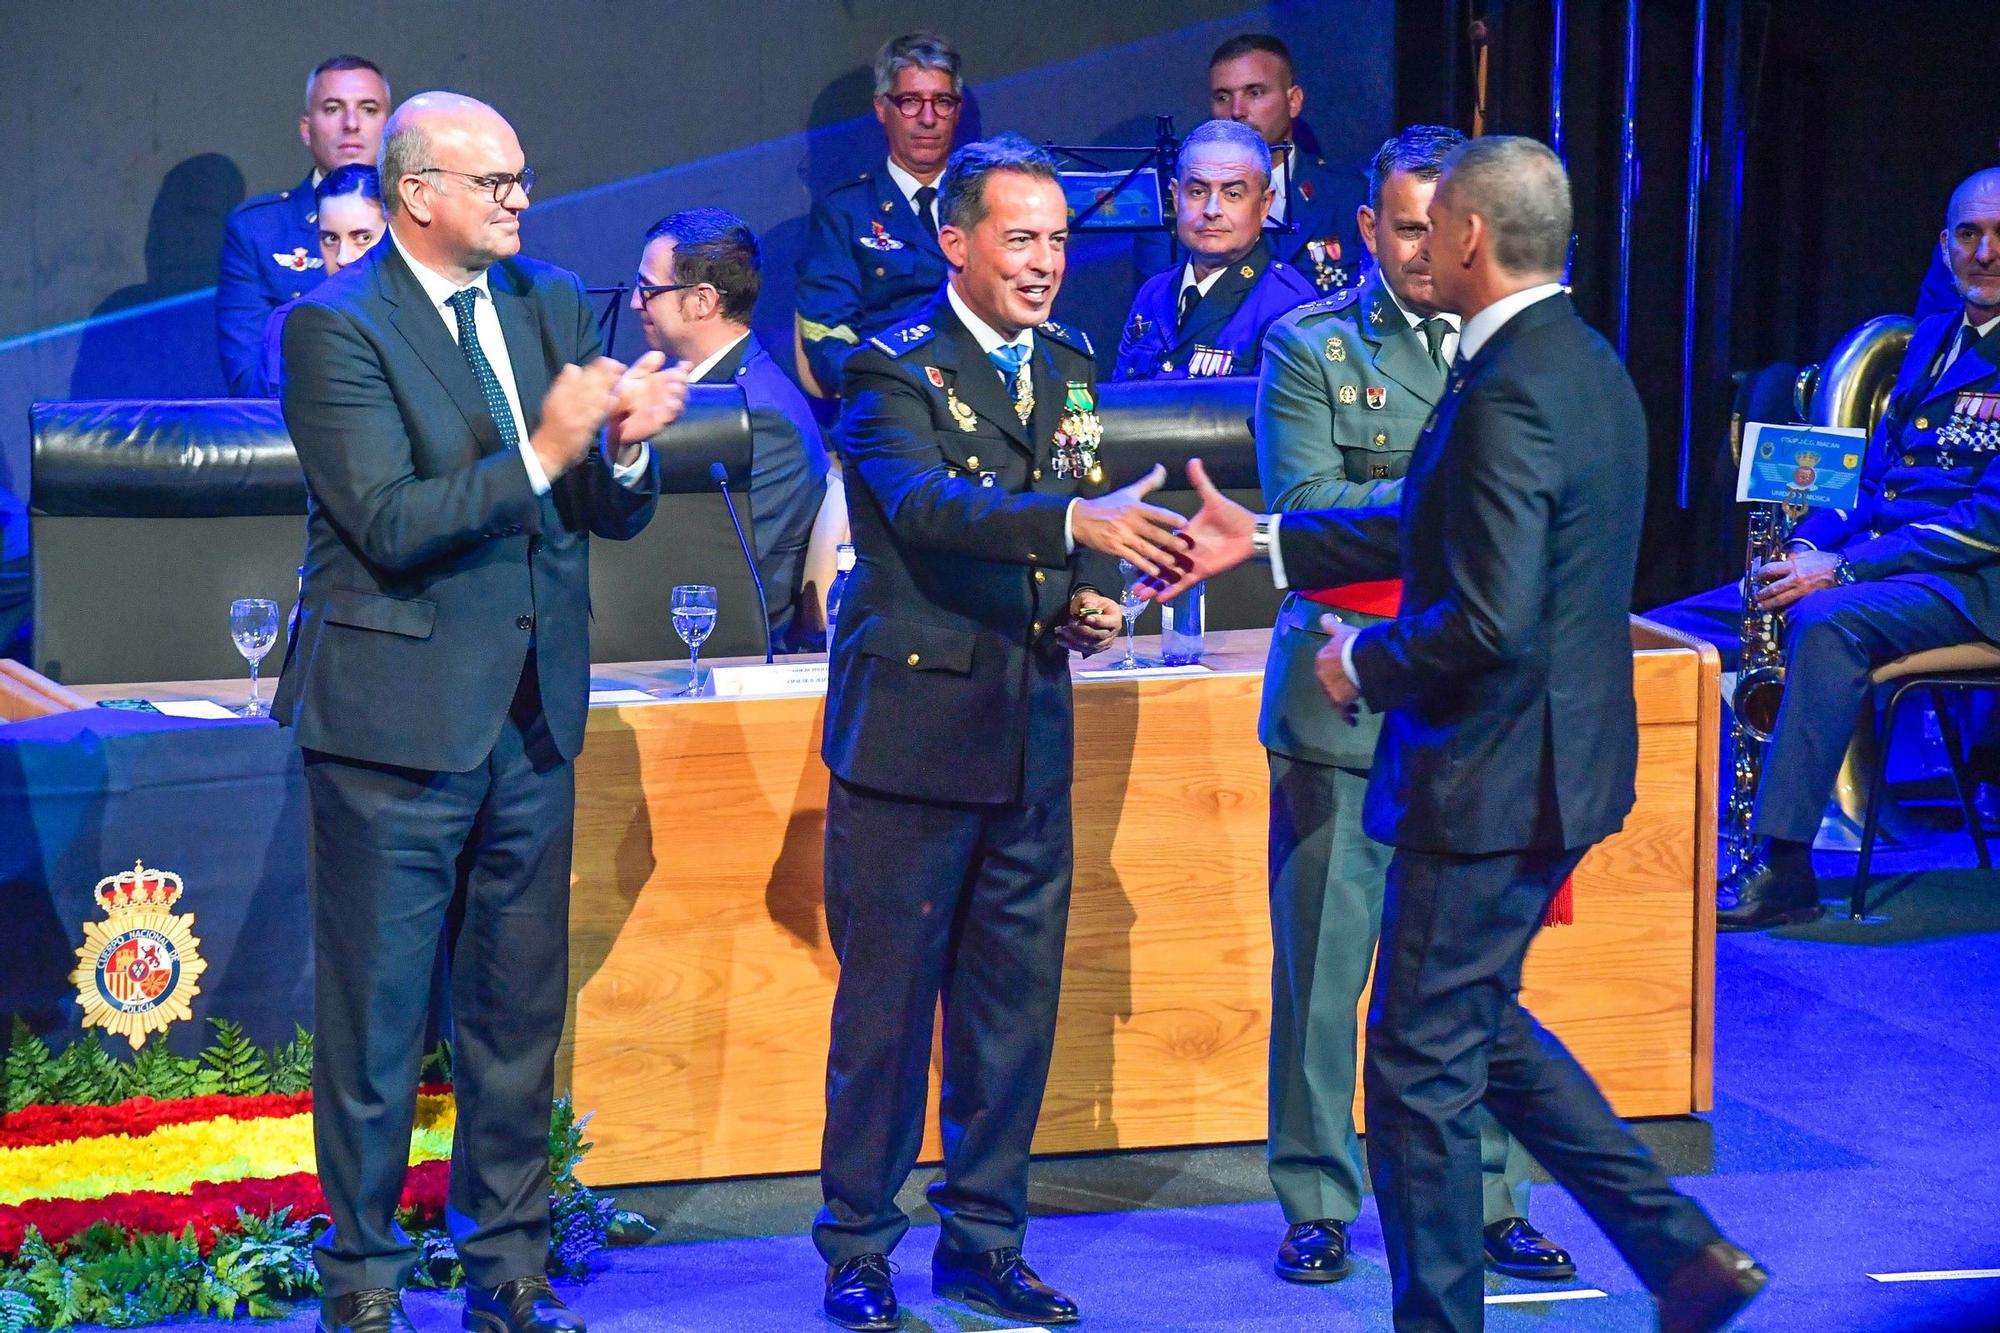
column 148, row 518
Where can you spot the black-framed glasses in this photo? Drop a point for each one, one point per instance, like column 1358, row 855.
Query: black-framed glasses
column 942, row 105
column 648, row 290
column 501, row 183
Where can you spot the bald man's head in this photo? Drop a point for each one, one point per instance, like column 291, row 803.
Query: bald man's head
column 452, row 176
column 410, row 140
column 1971, row 243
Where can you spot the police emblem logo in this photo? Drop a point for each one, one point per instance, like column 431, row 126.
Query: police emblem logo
column 135, row 974
column 1347, row 395
column 298, row 261
column 1336, row 350
column 935, row 376
column 879, row 239
column 1378, row 397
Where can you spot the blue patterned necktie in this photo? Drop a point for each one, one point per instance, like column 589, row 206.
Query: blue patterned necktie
column 461, row 304
column 1010, row 357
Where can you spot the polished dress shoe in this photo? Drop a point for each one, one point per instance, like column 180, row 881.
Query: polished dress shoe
column 1709, row 1290
column 859, row 1294
column 525, row 1305
column 375, row 1310
column 1779, row 889
column 1314, row 1252
column 1515, row 1249
column 999, row 1282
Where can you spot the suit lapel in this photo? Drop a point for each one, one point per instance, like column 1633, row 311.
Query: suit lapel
column 1401, row 352
column 522, row 330
column 1977, row 362
column 423, row 328
column 979, row 384
column 1224, row 299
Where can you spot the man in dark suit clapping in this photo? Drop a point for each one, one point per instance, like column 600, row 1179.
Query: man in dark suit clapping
column 462, row 441
column 1508, row 747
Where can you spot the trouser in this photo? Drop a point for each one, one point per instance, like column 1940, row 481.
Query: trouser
column 1446, row 1034
column 392, row 848
column 927, row 901
column 1326, row 881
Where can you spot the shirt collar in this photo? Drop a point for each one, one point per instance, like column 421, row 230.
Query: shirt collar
column 696, row 375
column 1980, row 330
column 436, row 285
column 1493, row 318
column 1201, row 285
column 905, row 182
column 1416, row 321
column 982, row 332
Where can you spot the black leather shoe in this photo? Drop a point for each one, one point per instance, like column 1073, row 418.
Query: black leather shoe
column 999, row 1282
column 525, row 1305
column 376, row 1310
column 1515, row 1249
column 859, row 1294
column 1314, row 1252
column 1778, row 890
column 1709, row 1290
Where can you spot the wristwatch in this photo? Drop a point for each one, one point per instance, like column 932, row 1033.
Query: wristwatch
column 1843, row 572
column 1261, row 535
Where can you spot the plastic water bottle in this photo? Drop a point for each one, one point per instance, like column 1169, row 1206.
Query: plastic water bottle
column 843, row 565
column 1180, row 628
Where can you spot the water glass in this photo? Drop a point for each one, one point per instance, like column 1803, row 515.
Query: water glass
column 694, row 620
column 253, row 626
column 1130, row 604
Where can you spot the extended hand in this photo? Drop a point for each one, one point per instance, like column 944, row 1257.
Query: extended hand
column 1122, row 524
column 577, row 403
column 1793, row 575
column 648, row 398
column 1332, row 672
column 1092, row 625
column 1218, row 537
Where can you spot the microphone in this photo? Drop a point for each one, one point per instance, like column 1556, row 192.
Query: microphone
column 720, row 476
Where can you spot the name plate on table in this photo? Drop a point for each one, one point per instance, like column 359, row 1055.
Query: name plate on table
column 1811, row 467
column 766, row 679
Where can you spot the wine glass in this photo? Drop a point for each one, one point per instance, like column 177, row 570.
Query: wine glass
column 253, row 624
column 694, row 618
column 1131, row 604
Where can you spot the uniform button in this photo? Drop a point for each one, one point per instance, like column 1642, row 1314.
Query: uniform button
column 1032, row 557
column 524, row 622
column 1888, row 495
column 972, row 460
column 1909, row 460
column 913, row 659
column 1040, row 577
column 1381, row 440
column 1923, row 423
column 1166, row 367
column 1038, row 474
column 1035, row 628
column 881, row 272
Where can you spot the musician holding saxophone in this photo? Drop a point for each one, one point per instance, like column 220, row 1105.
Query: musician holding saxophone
column 1915, row 565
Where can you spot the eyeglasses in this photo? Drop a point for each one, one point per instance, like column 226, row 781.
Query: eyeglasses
column 648, row 290
column 911, row 105
column 501, row 184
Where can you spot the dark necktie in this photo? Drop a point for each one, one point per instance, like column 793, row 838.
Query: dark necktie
column 461, row 304
column 1434, row 330
column 1968, row 338
column 1190, row 298
column 925, row 196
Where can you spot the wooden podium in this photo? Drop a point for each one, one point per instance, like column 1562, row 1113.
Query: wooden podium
column 701, row 978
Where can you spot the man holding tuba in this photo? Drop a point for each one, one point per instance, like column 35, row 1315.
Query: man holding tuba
column 1915, row 565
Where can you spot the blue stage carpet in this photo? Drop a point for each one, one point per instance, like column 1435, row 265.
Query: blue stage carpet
column 1856, row 1131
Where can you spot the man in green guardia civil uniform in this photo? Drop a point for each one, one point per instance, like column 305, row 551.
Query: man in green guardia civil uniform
column 1346, row 386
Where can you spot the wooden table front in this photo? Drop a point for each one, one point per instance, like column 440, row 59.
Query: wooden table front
column 702, row 981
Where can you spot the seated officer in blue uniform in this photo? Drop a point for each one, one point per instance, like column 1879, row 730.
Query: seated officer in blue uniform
column 872, row 244
column 986, row 546
column 1251, row 81
column 1208, row 316
column 351, row 219
column 698, row 282
column 1915, row 565
column 270, row 247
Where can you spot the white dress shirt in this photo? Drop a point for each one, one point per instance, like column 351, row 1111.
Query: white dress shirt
column 909, row 185
column 710, row 363
column 1280, row 172
column 990, row 341
column 493, row 343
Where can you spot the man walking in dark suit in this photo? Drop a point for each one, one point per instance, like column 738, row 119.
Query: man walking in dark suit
column 985, row 547
column 1508, row 746
column 462, row 441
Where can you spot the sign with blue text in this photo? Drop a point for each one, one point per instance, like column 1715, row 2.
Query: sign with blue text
column 1810, row 467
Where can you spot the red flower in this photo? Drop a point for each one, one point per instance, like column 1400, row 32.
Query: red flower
column 37, row 1125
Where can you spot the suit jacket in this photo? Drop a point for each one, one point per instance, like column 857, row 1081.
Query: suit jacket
column 1938, row 294
column 431, row 565
column 1224, row 332
column 1346, row 389
column 270, row 255
column 1507, row 677
column 1929, row 508
column 947, row 681
column 788, row 469
column 868, row 263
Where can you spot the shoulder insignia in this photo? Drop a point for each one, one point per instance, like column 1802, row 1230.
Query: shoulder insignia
column 895, row 342
column 1073, row 338
column 862, row 179
column 1331, row 304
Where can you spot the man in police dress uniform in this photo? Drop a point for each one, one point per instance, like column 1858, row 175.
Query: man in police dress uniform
column 1915, row 565
column 1208, row 317
column 872, row 244
column 270, row 247
column 1348, row 383
column 986, row 546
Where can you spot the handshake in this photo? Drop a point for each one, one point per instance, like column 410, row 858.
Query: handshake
column 1170, row 552
column 628, row 404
